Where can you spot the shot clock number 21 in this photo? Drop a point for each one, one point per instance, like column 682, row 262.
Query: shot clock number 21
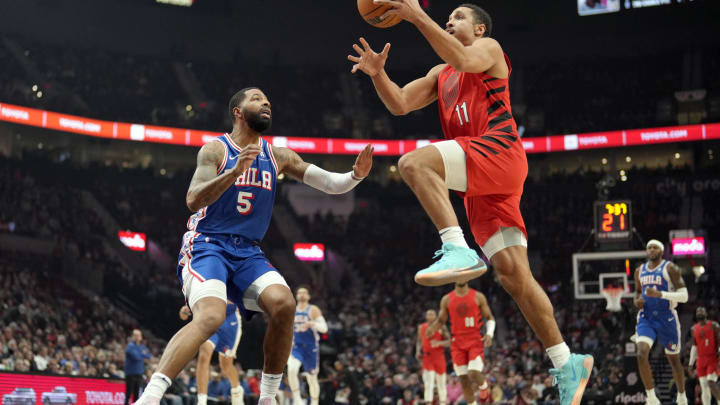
column 613, row 221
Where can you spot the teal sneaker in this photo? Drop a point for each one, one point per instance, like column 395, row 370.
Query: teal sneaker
column 457, row 265
column 572, row 378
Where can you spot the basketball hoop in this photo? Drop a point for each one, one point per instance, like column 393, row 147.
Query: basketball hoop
column 613, row 295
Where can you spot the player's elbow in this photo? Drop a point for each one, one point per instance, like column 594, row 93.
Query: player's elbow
column 192, row 202
column 398, row 110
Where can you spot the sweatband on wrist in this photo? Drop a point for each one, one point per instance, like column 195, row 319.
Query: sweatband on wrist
column 681, row 295
column 490, row 328
column 329, row 182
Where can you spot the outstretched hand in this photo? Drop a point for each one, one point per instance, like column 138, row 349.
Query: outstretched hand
column 368, row 61
column 363, row 163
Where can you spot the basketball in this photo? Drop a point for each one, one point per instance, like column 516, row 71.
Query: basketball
column 372, row 14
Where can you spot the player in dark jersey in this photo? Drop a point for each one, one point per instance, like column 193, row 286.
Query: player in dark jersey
column 482, row 158
column 225, row 342
column 658, row 288
column 706, row 343
column 233, row 192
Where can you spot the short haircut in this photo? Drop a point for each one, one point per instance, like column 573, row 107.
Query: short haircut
column 480, row 16
column 236, row 100
column 305, row 286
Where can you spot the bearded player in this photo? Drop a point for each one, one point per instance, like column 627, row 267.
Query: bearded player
column 431, row 350
column 309, row 321
column 658, row 288
column 225, row 342
column 467, row 308
column 233, row 194
column 706, row 343
column 482, row 158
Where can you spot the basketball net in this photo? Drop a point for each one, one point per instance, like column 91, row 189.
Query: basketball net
column 613, row 296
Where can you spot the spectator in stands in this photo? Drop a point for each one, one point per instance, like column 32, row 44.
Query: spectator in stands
column 135, row 355
column 219, row 389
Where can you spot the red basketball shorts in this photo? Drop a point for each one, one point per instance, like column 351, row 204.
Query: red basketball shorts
column 434, row 361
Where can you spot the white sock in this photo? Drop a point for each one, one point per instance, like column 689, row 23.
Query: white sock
column 202, row 399
column 651, row 394
column 269, row 385
column 454, row 235
column 482, row 387
column 297, row 399
column 236, row 395
column 681, row 398
column 157, row 386
column 559, row 354
column 314, row 401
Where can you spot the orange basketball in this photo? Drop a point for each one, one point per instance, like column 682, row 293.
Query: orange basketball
column 372, row 14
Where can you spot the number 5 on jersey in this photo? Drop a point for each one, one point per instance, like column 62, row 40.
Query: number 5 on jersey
column 462, row 106
column 244, row 204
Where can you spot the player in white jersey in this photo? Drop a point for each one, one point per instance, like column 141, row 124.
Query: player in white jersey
column 309, row 321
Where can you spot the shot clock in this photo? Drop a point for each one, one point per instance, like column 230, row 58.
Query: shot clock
column 613, row 221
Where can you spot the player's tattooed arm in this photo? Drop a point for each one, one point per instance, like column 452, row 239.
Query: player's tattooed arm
column 639, row 301
column 292, row 164
column 207, row 184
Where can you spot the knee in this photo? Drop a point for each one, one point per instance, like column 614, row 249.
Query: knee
column 408, row 165
column 643, row 353
column 279, row 304
column 205, row 353
column 510, row 275
column 210, row 319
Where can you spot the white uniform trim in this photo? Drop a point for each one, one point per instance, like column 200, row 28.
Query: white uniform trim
column 453, row 157
column 645, row 339
column 252, row 294
column 503, row 238
column 475, row 364
column 196, row 289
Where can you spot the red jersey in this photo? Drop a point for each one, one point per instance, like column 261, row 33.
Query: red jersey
column 465, row 317
column 426, row 345
column 473, row 104
column 705, row 339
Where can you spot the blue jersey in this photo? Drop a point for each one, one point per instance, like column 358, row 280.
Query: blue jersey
column 245, row 208
column 660, row 279
column 304, row 336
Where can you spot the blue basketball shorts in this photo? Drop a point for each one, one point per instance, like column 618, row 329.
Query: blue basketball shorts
column 227, row 338
column 660, row 326
column 226, row 267
column 308, row 355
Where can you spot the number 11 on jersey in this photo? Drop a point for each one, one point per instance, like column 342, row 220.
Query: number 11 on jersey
column 462, row 106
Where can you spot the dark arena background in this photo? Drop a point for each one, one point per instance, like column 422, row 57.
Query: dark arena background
column 104, row 105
